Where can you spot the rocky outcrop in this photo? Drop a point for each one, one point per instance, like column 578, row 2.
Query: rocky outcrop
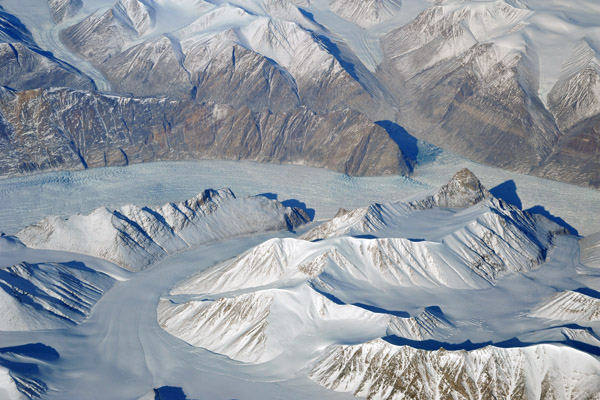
column 67, row 129
column 569, row 306
column 24, row 65
column 462, row 191
column 24, row 68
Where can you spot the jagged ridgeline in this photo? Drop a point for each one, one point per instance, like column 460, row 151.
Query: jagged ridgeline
column 442, row 296
column 137, row 237
column 450, row 293
column 294, row 81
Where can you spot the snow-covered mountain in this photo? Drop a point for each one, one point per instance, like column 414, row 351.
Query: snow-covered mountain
column 470, row 67
column 48, row 295
column 25, row 65
column 380, row 370
column 366, row 13
column 226, row 52
column 363, row 309
column 285, row 300
column 259, row 326
column 569, row 306
column 136, row 237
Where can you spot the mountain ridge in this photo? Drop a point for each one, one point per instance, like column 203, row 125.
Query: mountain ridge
column 476, row 78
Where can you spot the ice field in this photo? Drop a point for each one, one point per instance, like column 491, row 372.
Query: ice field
column 26, row 200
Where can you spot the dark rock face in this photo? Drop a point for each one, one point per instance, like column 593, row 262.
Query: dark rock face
column 439, row 78
column 22, row 68
column 61, row 128
column 463, row 190
column 24, row 65
column 490, row 117
column 576, row 157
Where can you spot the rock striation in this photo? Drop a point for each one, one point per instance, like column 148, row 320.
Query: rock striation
column 63, row 128
column 379, row 370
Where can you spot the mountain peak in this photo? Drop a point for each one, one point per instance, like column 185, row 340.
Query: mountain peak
column 463, row 190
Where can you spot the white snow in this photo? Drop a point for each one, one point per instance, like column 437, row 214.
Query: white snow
column 121, row 341
column 137, row 237
column 48, row 295
column 30, row 199
column 379, row 370
column 8, row 387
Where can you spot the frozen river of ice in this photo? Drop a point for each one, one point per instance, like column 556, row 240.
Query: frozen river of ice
column 120, row 349
column 26, row 200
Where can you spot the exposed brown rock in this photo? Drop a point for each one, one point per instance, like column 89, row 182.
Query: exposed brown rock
column 66, row 129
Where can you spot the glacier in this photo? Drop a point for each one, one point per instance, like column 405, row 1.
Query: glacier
column 313, row 296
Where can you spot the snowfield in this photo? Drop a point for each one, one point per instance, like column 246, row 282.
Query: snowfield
column 156, row 281
column 267, row 320
column 33, row 198
column 475, row 278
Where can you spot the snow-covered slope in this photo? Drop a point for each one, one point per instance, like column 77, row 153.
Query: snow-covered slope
column 569, row 306
column 8, row 386
column 18, row 367
column 137, row 237
column 366, row 13
column 458, row 262
column 259, row 326
column 252, row 307
column 8, row 243
column 379, row 370
column 590, row 250
column 48, row 295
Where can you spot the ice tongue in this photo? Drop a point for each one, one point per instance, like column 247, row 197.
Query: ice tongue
column 463, row 190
